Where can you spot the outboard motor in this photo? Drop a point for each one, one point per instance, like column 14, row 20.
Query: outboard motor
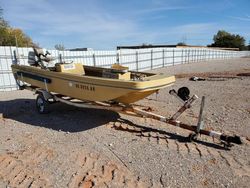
column 32, row 58
column 38, row 58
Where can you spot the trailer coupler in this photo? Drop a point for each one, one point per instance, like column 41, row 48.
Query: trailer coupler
column 228, row 140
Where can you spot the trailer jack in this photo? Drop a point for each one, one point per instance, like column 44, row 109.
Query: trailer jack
column 183, row 96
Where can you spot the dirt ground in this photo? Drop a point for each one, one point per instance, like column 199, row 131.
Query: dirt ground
column 72, row 147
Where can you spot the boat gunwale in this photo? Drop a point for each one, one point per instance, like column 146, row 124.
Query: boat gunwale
column 133, row 85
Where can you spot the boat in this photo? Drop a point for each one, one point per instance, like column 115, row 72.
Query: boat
column 88, row 83
column 112, row 88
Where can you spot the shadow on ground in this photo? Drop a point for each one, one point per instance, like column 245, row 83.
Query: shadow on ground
column 61, row 117
column 67, row 118
column 143, row 129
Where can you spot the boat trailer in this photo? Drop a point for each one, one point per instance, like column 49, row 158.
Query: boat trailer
column 45, row 98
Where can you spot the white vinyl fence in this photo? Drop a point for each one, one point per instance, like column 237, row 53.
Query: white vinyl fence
column 135, row 59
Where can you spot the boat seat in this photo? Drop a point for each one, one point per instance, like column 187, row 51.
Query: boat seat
column 117, row 72
column 72, row 68
column 116, row 68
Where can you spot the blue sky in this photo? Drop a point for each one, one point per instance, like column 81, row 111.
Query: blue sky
column 105, row 24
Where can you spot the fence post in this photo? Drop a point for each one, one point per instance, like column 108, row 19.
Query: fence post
column 196, row 55
column 199, row 55
column 163, row 58
column 151, row 58
column 202, row 54
column 15, row 57
column 60, row 58
column 182, row 56
column 193, row 55
column 188, row 54
column 117, row 57
column 136, row 60
column 173, row 56
column 185, row 57
column 94, row 59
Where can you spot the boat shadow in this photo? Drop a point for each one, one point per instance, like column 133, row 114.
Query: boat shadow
column 68, row 118
column 62, row 117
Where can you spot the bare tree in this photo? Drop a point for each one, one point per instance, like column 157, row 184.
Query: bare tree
column 59, row 47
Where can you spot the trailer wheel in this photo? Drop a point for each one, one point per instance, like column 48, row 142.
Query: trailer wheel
column 42, row 105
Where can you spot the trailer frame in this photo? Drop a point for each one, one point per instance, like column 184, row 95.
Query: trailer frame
column 45, row 98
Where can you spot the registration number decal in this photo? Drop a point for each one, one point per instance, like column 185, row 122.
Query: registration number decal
column 85, row 87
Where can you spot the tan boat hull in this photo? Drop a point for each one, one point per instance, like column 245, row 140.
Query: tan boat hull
column 89, row 87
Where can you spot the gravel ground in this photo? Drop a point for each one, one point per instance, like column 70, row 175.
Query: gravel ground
column 72, row 147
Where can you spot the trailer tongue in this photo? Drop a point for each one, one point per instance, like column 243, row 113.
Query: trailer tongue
column 183, row 96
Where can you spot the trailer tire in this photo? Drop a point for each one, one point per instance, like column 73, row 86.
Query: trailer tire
column 42, row 104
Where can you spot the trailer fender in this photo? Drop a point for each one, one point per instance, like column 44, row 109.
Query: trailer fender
column 45, row 94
